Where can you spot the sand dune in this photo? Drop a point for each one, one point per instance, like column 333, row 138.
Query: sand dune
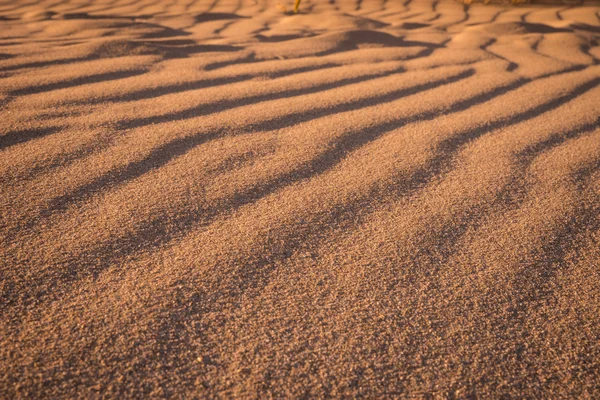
column 216, row 199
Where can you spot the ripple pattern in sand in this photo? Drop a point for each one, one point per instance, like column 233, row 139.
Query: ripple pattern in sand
column 367, row 199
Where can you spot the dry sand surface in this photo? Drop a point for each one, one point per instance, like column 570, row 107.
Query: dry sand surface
column 380, row 199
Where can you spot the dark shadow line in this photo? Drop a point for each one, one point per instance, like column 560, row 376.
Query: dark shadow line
column 435, row 18
column 209, row 17
column 79, row 81
column 156, row 159
column 159, row 231
column 296, row 118
column 351, row 142
column 511, row 65
column 183, row 52
column 85, row 15
column 163, row 51
column 181, row 146
column 555, row 140
column 253, row 275
column 40, row 64
column 69, row 158
column 178, row 147
column 280, row 38
column 464, row 19
column 586, row 50
column 424, row 175
column 208, row 83
column 49, row 165
column 451, row 145
column 165, row 31
column 497, row 15
column 222, row 64
column 584, row 27
column 511, row 196
column 15, row 137
column 211, row 108
column 225, row 26
column 344, row 47
column 238, row 7
column 381, row 38
column 534, row 277
column 536, row 45
column 559, row 12
column 413, row 25
column 411, row 16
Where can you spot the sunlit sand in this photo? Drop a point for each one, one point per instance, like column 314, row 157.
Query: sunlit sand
column 372, row 199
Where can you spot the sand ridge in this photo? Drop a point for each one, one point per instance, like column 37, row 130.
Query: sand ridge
column 215, row 199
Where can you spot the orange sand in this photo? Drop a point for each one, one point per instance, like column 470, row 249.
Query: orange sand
column 373, row 199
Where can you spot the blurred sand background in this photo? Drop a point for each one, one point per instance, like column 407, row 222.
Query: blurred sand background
column 380, row 199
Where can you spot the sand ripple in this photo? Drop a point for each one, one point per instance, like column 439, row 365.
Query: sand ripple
column 367, row 199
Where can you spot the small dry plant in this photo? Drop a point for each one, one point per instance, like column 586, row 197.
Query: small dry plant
column 296, row 7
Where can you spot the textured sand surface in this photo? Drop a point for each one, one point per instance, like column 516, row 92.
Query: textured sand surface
column 381, row 199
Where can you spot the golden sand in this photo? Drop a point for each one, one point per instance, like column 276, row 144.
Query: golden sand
column 380, row 199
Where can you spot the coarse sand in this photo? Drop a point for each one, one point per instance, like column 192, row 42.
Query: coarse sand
column 367, row 199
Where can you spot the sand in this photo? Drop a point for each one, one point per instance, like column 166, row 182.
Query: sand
column 379, row 199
